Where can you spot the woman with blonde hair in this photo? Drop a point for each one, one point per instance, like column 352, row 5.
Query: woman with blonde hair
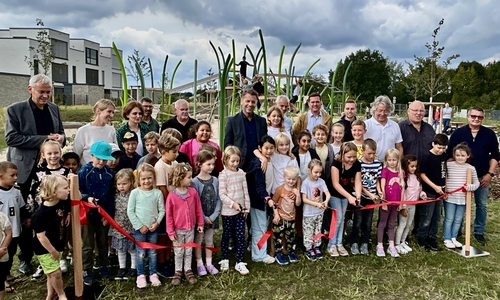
column 97, row 130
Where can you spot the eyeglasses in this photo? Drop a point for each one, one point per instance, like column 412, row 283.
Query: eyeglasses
column 476, row 117
column 418, row 110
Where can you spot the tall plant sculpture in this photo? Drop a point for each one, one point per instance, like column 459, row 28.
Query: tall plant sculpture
column 124, row 75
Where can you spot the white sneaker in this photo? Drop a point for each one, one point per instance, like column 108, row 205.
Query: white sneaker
column 63, row 264
column 268, row 260
column 401, row 250
column 456, row 243
column 224, row 265
column 449, row 244
column 241, row 267
column 406, row 247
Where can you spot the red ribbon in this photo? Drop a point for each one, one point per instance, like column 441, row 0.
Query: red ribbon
column 86, row 206
column 264, row 238
column 333, row 228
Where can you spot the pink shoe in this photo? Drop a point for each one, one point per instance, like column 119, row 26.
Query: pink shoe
column 141, row 281
column 212, row 270
column 154, row 280
column 201, row 270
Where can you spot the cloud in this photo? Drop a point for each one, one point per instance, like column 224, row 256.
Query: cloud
column 329, row 30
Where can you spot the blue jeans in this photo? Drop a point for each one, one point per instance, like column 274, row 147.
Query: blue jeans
column 141, row 254
column 339, row 204
column 362, row 221
column 481, row 198
column 453, row 215
column 258, row 228
column 446, row 124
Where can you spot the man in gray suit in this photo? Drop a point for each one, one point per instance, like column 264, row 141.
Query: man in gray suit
column 245, row 129
column 28, row 124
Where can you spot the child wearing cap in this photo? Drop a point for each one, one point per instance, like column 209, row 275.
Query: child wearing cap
column 96, row 185
column 129, row 158
column 116, row 152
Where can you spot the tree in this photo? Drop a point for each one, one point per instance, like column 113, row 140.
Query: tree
column 468, row 84
column 427, row 73
column 142, row 62
column 369, row 75
column 43, row 54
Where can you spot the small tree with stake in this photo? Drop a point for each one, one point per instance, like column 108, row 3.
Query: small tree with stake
column 43, row 54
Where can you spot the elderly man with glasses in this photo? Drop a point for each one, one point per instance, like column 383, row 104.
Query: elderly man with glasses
column 417, row 134
column 483, row 143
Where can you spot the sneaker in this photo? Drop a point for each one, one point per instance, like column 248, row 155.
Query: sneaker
column 392, row 251
column 88, row 277
column 318, row 253
column 406, row 247
column 224, row 265
column 292, row 257
column 241, row 267
column 449, row 244
column 25, row 268
column 131, row 274
column 310, row 254
column 212, row 270
column 38, row 274
column 141, row 281
column 333, row 251
column 280, row 258
column 380, row 251
column 400, row 249
column 354, row 249
column 342, row 250
column 63, row 264
column 364, row 249
column 349, row 223
column 202, row 271
column 480, row 239
column 168, row 271
column 121, row 273
column 268, row 260
column 456, row 243
column 155, row 281
column 176, row 280
column 113, row 260
column 105, row 274
column 434, row 247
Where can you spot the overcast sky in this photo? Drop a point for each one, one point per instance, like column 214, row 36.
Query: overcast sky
column 328, row 30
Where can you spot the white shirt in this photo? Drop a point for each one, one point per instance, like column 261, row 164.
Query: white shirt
column 88, row 134
column 386, row 136
column 273, row 132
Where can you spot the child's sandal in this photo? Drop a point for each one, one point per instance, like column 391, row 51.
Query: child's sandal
column 190, row 276
column 176, row 280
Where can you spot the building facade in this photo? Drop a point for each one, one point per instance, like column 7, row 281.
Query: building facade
column 82, row 71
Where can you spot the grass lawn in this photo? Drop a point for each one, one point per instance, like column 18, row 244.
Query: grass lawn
column 417, row 275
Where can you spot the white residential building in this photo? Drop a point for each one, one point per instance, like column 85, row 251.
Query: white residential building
column 82, row 71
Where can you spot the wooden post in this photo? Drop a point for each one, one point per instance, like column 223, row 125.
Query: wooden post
column 77, row 236
column 468, row 198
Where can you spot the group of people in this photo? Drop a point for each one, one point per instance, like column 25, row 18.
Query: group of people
column 169, row 189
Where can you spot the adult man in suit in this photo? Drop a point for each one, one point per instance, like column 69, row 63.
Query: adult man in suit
column 245, row 129
column 28, row 124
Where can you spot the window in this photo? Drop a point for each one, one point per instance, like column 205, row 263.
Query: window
column 103, row 78
column 60, row 73
column 60, row 49
column 74, row 74
column 92, row 76
column 36, row 69
column 117, row 80
column 91, row 56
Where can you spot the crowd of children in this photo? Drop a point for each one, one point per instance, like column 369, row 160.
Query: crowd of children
column 172, row 199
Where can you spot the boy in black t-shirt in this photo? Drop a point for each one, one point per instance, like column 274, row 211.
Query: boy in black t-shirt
column 48, row 223
column 433, row 172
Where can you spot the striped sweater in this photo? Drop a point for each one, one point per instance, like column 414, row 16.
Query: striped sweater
column 233, row 188
column 456, row 177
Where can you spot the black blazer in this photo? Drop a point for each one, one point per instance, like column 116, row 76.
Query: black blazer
column 235, row 133
column 21, row 136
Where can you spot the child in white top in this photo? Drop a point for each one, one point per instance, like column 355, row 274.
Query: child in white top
column 454, row 204
column 413, row 192
column 336, row 137
column 233, row 192
column 312, row 190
